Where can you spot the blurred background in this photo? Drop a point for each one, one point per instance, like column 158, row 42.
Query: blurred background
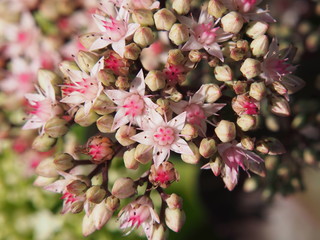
column 285, row 205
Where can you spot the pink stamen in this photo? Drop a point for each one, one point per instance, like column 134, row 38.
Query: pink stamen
column 134, row 105
column 195, row 114
column 69, row 197
column 205, row 33
column 164, row 136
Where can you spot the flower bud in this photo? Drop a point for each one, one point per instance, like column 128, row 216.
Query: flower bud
column 179, row 33
column 216, row 165
column 122, row 83
column 88, row 39
column 175, row 219
column 240, row 87
column 174, row 201
column 182, row 7
column 155, row 80
column 64, row 162
column 143, row 153
column 195, row 56
column 124, row 135
column 129, row 161
column 216, row 8
column 250, row 68
column 273, row 145
column 158, row 232
column 124, row 188
column 175, row 95
column 232, row 22
column 45, row 76
column 86, row 60
column 101, row 215
column 189, row 132
column 175, row 57
column 43, row 143
column 262, row 147
column 256, row 29
column 279, row 88
column 100, row 149
column 226, row 131
column 143, row 36
column 46, row 168
column 258, row 90
column 163, row 106
column 246, row 122
column 76, row 187
column 65, row 65
column 143, row 16
column 103, row 105
column 77, row 207
column 163, row 175
column 212, row 92
column 247, row 143
column 280, row 107
column 106, row 77
column 132, row 51
column 112, row 203
column 243, row 104
column 85, row 120
column 239, row 50
column 56, row 127
column 260, row 46
column 207, row 147
column 95, row 194
column 309, row 156
column 223, row 73
column 192, row 159
column 104, row 124
column 164, row 19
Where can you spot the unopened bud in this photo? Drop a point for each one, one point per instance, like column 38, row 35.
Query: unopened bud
column 164, row 19
column 46, row 77
column 247, row 143
column 100, row 149
column 226, row 131
column 195, row 56
column 122, row 83
column 124, row 135
column 262, row 147
column 43, row 143
column 143, row 37
column 246, row 122
column 143, row 16
column 56, row 127
column 174, row 94
column 104, row 124
column 132, row 51
column 240, row 87
column 129, row 161
column 174, row 201
column 163, row 175
column 85, row 119
column 274, row 146
column 76, row 187
column 124, row 188
column 223, row 73
column 258, row 90
column 103, row 105
column 250, row 68
column 163, row 106
column 189, row 132
column 95, row 194
column 158, row 232
column 279, row 88
column 175, row 219
column 155, row 80
column 65, row 65
column 64, row 162
column 112, row 203
column 175, row 57
column 216, row 165
column 143, row 153
column 106, row 77
column 232, row 22
column 212, row 92
column 77, row 207
column 195, row 157
column 207, row 147
column 260, row 46
column 88, row 39
column 182, row 7
column 86, row 60
column 280, row 107
column 216, row 8
column 46, row 168
column 179, row 33
column 256, row 29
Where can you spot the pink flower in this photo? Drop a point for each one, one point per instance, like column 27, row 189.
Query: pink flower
column 243, row 104
column 205, row 35
column 234, row 155
column 136, row 4
column 132, row 105
column 114, row 31
column 84, row 88
column 139, row 213
column 248, row 9
column 163, row 136
column 197, row 111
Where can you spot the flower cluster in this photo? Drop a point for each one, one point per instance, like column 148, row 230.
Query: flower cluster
column 139, row 82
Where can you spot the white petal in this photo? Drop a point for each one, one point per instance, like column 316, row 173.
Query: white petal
column 117, row 96
column 138, row 84
column 119, row 119
column 132, row 27
column 145, row 137
column 160, row 155
column 58, row 186
column 99, row 43
column 191, row 44
column 178, row 122
column 97, row 67
column 178, row 107
column 182, row 147
column 119, row 47
column 215, row 50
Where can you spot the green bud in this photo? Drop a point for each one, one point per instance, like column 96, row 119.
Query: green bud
column 143, row 16
column 43, row 143
column 56, row 127
column 86, row 60
column 85, row 120
column 104, row 124
column 179, row 34
column 103, row 105
column 64, row 162
column 95, row 194
column 143, row 36
column 164, row 19
column 124, row 188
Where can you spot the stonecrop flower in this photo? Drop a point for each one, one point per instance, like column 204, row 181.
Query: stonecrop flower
column 114, row 31
column 163, row 136
column 83, row 88
column 205, row 34
column 139, row 213
column 133, row 105
column 197, row 111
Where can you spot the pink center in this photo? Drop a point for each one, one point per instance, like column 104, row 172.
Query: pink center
column 195, row 114
column 162, row 177
column 139, row 215
column 115, row 29
column 247, row 5
column 172, row 73
column 114, row 64
column 279, row 66
column 205, row 33
column 133, row 105
column 234, row 157
column 88, row 87
column 69, row 197
column 251, row 108
column 164, row 136
column 42, row 109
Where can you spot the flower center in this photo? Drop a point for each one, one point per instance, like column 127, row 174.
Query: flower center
column 134, row 105
column 205, row 33
column 251, row 108
column 113, row 63
column 162, row 177
column 164, row 136
column 173, row 72
column 69, row 197
column 42, row 109
column 115, row 29
column 279, row 66
column 88, row 87
column 195, row 114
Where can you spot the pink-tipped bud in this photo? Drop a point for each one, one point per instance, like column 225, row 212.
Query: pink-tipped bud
column 247, row 143
column 207, row 147
column 63, row 162
column 104, row 124
column 43, row 143
column 182, row 7
column 143, row 37
column 280, row 107
column 279, row 88
column 223, row 73
column 46, row 168
column 195, row 56
column 232, row 22
column 163, row 106
column 86, row 60
column 45, row 76
column 129, row 161
column 124, row 135
column 189, row 132
column 164, row 19
column 258, row 90
column 216, row 8
column 174, row 201
column 216, row 165
column 179, row 34
column 124, row 188
column 240, row 87
column 155, row 80
column 226, row 131
column 212, row 92
column 143, row 153
column 85, row 120
column 56, row 127
column 175, row 219
column 132, row 51
column 256, row 29
column 143, row 16
column 95, row 194
column 260, row 46
column 163, row 175
column 195, row 157
column 246, row 122
column 250, row 68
